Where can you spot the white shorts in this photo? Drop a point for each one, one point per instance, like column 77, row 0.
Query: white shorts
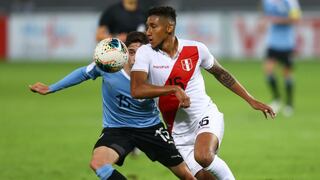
column 211, row 121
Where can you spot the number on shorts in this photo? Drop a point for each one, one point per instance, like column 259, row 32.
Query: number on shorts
column 164, row 134
column 204, row 121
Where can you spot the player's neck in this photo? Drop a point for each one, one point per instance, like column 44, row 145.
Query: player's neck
column 170, row 46
column 127, row 68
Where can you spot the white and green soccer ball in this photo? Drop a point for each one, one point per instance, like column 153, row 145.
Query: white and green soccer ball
column 110, row 55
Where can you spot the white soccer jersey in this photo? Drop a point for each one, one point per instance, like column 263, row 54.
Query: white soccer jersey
column 183, row 70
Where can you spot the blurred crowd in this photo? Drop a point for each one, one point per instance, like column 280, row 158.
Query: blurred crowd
column 98, row 5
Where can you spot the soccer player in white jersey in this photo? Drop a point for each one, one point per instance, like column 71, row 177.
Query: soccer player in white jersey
column 281, row 16
column 127, row 122
column 168, row 69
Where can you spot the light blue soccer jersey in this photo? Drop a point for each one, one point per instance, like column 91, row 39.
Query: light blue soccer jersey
column 281, row 36
column 119, row 108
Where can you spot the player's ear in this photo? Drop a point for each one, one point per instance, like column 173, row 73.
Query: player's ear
column 170, row 28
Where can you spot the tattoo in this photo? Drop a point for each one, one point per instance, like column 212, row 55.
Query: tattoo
column 222, row 75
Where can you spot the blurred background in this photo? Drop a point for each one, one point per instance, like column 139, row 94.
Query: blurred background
column 52, row 137
column 43, row 29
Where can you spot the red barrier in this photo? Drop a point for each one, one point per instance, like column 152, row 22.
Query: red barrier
column 3, row 37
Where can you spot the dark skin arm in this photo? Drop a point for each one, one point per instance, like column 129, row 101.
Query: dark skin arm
column 141, row 89
column 225, row 78
column 103, row 33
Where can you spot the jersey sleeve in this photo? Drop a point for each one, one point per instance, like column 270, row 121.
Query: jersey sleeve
column 76, row 77
column 93, row 71
column 295, row 11
column 141, row 60
column 207, row 59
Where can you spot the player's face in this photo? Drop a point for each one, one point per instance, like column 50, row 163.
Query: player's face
column 130, row 5
column 132, row 48
column 156, row 30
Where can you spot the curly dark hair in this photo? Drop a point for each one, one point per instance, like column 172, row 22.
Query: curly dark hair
column 165, row 11
column 135, row 36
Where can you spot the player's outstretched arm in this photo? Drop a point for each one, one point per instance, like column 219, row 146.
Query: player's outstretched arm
column 75, row 77
column 225, row 78
column 141, row 89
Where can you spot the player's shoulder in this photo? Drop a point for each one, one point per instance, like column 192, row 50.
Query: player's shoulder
column 114, row 8
column 201, row 46
column 145, row 49
column 187, row 42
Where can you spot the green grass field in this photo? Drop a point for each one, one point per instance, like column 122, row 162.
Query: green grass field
column 51, row 137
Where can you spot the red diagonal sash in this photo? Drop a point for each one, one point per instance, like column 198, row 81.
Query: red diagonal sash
column 180, row 75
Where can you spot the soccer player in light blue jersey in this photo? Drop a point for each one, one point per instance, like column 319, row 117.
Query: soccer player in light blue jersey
column 127, row 122
column 281, row 15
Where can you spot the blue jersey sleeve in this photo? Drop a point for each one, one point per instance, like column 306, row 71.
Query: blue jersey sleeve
column 76, row 77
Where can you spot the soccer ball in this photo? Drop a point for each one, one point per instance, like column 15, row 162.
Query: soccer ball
column 110, row 55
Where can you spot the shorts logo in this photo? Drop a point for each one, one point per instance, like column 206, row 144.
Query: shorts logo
column 186, row 64
column 176, row 156
column 101, row 136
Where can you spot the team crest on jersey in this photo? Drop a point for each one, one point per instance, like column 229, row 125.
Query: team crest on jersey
column 186, row 64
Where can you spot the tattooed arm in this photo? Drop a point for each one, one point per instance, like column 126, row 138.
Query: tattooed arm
column 225, row 78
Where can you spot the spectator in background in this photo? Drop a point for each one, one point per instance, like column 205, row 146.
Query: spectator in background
column 120, row 19
column 281, row 43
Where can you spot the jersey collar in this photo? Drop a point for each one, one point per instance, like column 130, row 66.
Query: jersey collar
column 125, row 74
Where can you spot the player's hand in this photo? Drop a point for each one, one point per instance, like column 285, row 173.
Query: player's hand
column 122, row 36
column 184, row 100
column 39, row 88
column 267, row 110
